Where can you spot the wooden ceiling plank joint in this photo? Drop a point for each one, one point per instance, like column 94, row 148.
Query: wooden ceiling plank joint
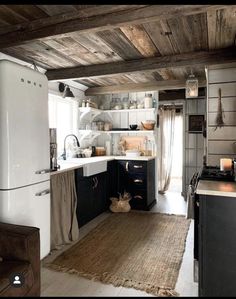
column 66, row 23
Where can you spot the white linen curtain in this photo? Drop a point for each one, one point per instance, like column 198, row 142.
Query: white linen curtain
column 165, row 146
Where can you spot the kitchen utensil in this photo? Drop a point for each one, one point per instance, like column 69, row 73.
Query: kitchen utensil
column 148, row 124
column 87, row 152
column 134, row 142
column 100, row 151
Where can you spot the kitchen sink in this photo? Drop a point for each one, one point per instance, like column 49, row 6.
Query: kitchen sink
column 94, row 167
column 91, row 166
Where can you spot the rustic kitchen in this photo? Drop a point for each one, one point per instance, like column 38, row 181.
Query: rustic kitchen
column 118, row 160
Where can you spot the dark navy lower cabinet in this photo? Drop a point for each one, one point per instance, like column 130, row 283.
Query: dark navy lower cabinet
column 94, row 192
column 138, row 178
column 91, row 196
column 217, row 246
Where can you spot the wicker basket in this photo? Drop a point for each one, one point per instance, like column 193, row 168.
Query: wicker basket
column 120, row 204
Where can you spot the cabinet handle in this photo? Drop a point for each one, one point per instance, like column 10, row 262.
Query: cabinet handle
column 138, row 166
column 138, row 181
column 42, row 192
column 138, row 197
column 94, row 183
column 127, row 166
column 42, row 171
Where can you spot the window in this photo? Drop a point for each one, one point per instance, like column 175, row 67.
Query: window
column 63, row 115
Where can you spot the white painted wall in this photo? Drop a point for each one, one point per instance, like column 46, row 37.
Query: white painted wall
column 221, row 141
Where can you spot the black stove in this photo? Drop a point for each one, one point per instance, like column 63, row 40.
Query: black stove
column 214, row 173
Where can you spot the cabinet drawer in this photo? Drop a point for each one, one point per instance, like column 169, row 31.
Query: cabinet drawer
column 134, row 166
column 139, row 199
column 137, row 181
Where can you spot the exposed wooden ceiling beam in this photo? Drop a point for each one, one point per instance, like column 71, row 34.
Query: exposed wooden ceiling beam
column 202, row 58
column 77, row 21
column 178, row 94
column 135, row 87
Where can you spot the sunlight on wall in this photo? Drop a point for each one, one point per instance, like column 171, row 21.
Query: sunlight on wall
column 177, row 164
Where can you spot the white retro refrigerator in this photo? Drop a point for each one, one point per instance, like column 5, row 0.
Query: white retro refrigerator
column 24, row 149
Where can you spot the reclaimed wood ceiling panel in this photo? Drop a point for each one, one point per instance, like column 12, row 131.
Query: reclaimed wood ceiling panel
column 203, row 31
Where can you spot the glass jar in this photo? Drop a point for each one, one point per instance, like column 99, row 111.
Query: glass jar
column 117, row 105
column 107, row 126
column 94, row 126
column 83, row 103
column 132, row 104
column 125, row 103
column 140, row 105
column 100, row 125
column 112, row 104
column 148, row 101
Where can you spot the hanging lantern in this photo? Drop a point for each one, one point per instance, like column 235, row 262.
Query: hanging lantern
column 191, row 87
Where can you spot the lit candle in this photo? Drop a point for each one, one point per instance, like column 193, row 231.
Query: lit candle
column 225, row 164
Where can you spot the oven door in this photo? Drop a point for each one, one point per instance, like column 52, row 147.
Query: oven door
column 196, row 236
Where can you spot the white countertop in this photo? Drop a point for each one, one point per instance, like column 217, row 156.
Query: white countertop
column 74, row 163
column 218, row 188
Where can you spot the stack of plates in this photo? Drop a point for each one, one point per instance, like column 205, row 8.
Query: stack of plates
column 132, row 153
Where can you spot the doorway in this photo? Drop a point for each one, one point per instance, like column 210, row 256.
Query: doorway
column 170, row 159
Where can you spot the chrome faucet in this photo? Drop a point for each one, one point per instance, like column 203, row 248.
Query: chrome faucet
column 77, row 141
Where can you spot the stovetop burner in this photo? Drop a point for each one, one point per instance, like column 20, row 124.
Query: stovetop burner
column 214, row 173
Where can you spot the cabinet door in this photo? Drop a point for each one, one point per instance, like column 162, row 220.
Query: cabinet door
column 84, row 197
column 112, row 180
column 123, row 177
column 99, row 195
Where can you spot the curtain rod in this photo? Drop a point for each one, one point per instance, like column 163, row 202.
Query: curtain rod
column 171, row 105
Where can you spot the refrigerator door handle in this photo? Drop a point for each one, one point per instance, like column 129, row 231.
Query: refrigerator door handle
column 44, row 192
column 43, row 171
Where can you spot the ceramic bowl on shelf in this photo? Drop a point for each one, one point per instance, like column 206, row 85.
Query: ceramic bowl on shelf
column 148, row 124
column 133, row 127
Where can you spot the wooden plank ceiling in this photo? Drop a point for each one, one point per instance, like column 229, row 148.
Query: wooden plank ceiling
column 205, row 30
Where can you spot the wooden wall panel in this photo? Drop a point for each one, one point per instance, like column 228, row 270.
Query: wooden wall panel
column 214, row 160
column 227, row 75
column 224, row 133
column 228, row 104
column 218, row 147
column 221, row 142
column 227, row 89
column 229, row 119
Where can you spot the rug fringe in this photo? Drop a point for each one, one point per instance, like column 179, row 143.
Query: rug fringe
column 116, row 281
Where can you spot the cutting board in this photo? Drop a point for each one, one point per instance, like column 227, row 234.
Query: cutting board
column 134, row 142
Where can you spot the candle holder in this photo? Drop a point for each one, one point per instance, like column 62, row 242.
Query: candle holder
column 225, row 164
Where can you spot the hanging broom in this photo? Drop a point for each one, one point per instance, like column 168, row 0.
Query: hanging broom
column 219, row 117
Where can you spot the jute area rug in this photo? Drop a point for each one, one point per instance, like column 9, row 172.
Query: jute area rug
column 142, row 250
